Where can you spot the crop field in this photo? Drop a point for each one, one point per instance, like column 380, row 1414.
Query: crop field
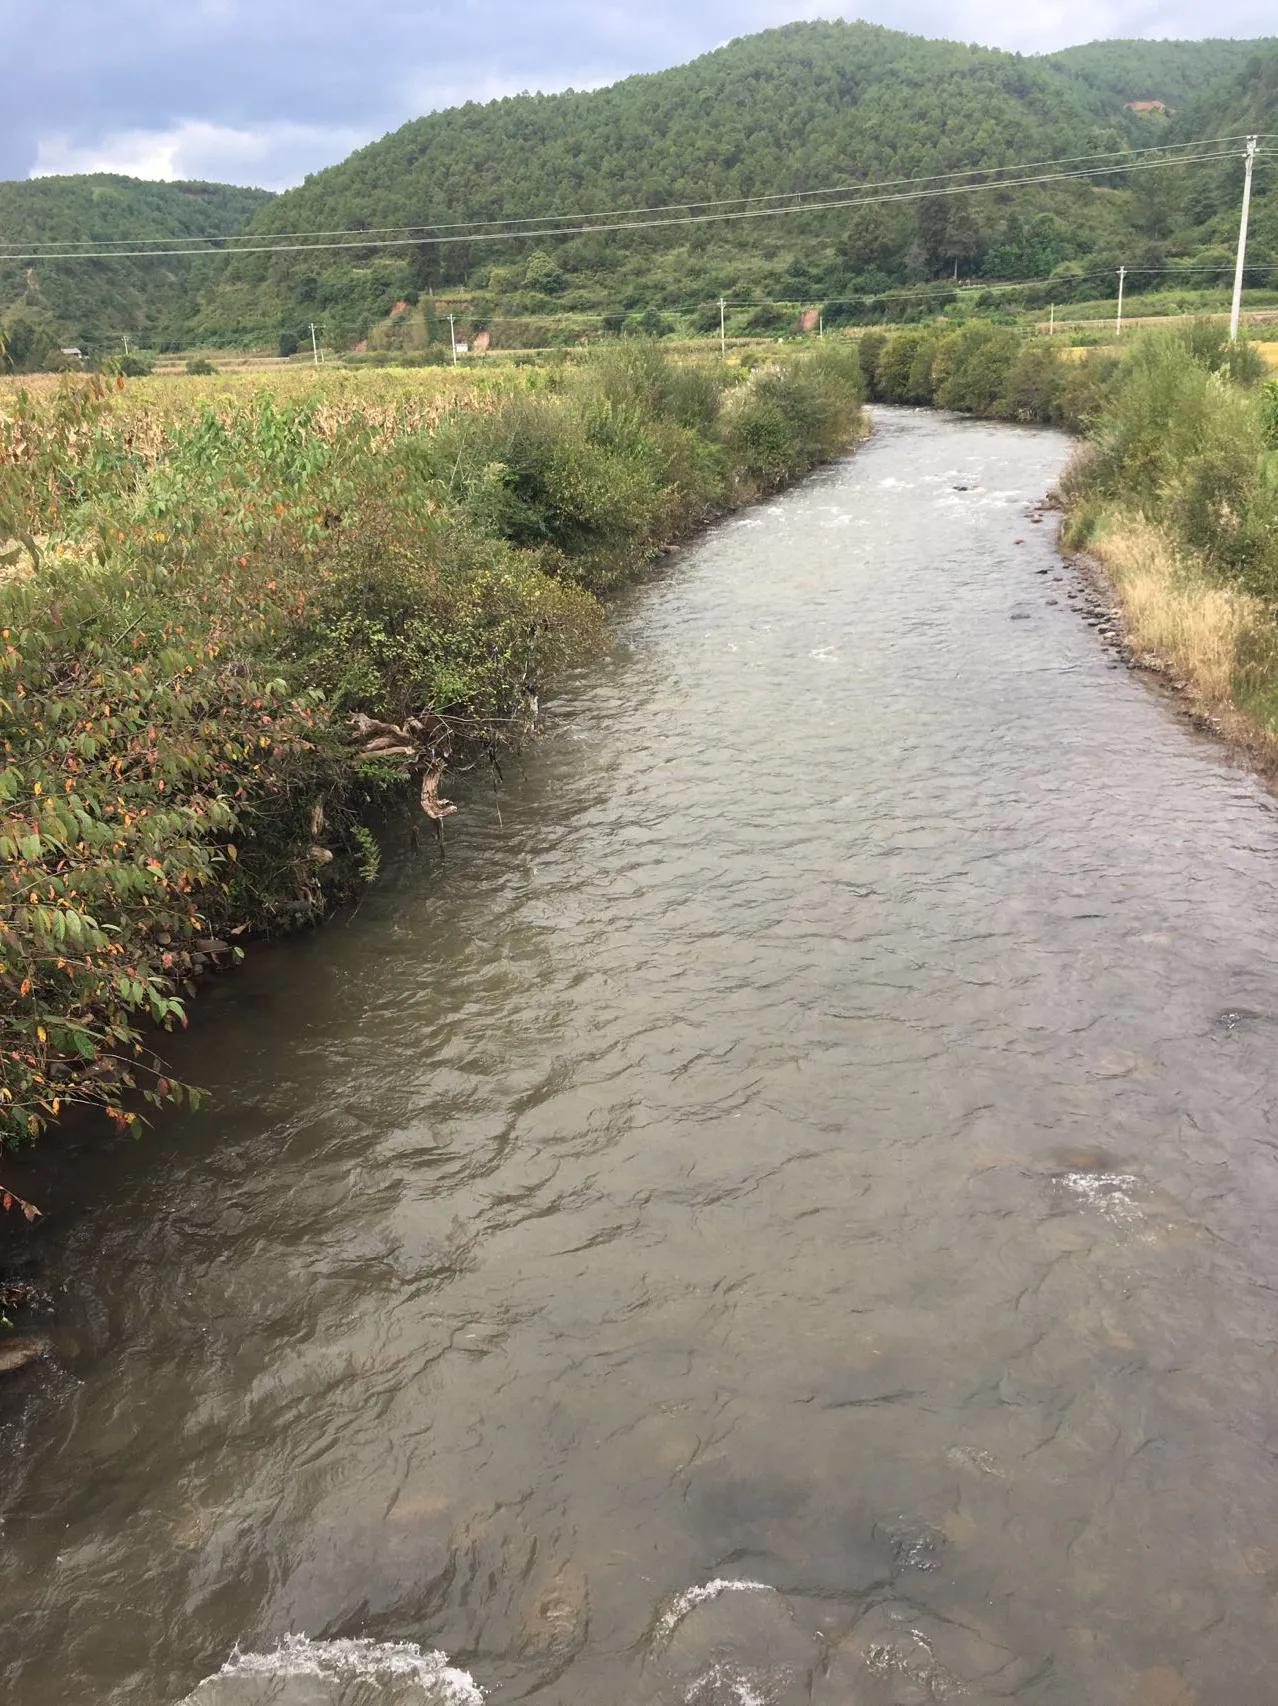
column 420, row 392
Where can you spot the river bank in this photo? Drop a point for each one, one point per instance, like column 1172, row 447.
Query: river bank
column 228, row 637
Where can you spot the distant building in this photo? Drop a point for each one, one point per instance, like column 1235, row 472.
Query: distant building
column 1145, row 106
column 73, row 352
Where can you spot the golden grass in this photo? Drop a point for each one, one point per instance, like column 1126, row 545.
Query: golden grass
column 183, row 396
column 387, row 402
column 1215, row 641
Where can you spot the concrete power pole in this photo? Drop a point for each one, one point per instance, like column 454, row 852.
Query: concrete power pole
column 1235, row 311
column 723, row 335
column 452, row 337
column 126, row 343
column 1051, row 324
column 1118, row 323
column 314, row 346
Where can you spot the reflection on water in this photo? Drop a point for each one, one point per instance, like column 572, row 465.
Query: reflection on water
column 783, row 1213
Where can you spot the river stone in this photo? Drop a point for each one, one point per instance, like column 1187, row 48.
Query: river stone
column 735, row 1641
column 915, row 1545
column 19, row 1353
column 900, row 1655
column 556, row 1623
column 1163, row 1687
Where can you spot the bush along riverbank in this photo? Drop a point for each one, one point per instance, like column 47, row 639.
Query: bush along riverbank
column 1173, row 491
column 225, row 639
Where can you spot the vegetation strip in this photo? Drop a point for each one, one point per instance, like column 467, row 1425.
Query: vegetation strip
column 224, row 638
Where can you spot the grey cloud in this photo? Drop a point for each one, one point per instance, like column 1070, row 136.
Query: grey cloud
column 300, row 80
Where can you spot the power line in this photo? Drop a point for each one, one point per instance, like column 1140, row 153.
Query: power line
column 672, row 207
column 482, row 236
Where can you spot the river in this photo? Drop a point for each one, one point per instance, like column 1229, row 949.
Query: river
column 784, row 1212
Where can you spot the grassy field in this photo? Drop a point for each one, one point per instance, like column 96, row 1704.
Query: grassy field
column 182, row 394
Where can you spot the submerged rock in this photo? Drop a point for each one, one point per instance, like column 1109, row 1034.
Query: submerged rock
column 17, row 1354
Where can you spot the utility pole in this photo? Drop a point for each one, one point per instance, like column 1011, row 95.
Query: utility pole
column 126, row 343
column 723, row 335
column 452, row 335
column 314, row 346
column 1236, row 309
column 1118, row 323
column 1051, row 324
column 820, row 325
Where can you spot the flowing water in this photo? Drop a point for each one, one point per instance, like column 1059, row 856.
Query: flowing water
column 786, row 1212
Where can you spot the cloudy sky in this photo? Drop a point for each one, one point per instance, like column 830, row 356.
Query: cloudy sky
column 264, row 91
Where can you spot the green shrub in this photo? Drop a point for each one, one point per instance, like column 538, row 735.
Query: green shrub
column 894, row 366
column 971, row 367
column 1269, row 413
column 869, row 347
column 1034, row 384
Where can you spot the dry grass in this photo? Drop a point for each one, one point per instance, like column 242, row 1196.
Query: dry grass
column 1217, row 643
column 423, row 392
column 388, row 403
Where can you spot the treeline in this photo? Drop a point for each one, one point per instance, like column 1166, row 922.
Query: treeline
column 1174, row 488
column 223, row 642
column 983, row 368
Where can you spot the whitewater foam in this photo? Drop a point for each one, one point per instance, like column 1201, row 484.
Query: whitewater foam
column 344, row 1660
column 679, row 1608
column 743, row 1689
column 1109, row 1194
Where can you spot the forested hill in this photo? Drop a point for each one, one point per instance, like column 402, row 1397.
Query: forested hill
column 1174, row 72
column 95, row 303
column 807, row 105
column 1202, row 205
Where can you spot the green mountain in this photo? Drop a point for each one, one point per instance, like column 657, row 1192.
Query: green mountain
column 801, row 107
column 94, row 303
column 804, row 107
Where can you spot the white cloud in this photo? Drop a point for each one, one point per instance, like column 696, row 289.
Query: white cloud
column 270, row 156
column 428, row 93
column 1031, row 26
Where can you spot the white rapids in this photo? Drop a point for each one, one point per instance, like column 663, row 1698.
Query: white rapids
column 342, row 1661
